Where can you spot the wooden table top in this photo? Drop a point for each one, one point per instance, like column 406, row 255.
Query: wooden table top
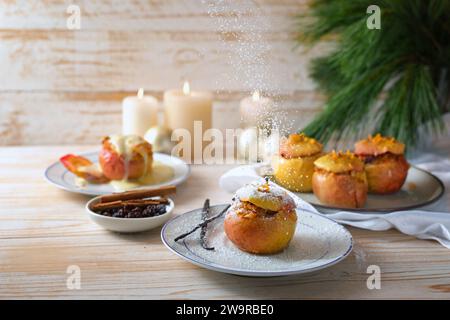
column 44, row 230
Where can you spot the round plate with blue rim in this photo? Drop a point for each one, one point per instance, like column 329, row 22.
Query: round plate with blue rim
column 62, row 178
column 318, row 243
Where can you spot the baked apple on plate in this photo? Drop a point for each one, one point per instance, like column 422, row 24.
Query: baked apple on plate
column 121, row 158
column 385, row 165
column 125, row 157
column 339, row 180
column 293, row 167
column 262, row 219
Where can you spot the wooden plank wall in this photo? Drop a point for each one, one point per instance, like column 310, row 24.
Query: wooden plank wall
column 60, row 86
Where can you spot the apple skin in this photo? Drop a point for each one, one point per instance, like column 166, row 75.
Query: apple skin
column 386, row 174
column 294, row 174
column 258, row 234
column 83, row 168
column 343, row 190
column 114, row 165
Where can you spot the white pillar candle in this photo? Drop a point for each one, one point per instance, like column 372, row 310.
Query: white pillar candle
column 256, row 110
column 139, row 113
column 183, row 107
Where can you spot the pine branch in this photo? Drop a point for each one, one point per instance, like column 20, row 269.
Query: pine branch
column 409, row 59
column 343, row 115
column 411, row 103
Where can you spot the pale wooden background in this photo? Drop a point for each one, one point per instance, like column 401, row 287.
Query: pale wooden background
column 61, row 86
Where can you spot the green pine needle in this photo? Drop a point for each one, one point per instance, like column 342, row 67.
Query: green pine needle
column 393, row 81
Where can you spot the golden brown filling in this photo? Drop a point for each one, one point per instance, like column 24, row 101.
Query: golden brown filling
column 379, row 145
column 298, row 146
column 288, row 156
column 340, row 162
column 379, row 159
column 249, row 210
column 353, row 173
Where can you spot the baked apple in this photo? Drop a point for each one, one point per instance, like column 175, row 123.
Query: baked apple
column 385, row 165
column 261, row 220
column 339, row 180
column 125, row 157
column 293, row 167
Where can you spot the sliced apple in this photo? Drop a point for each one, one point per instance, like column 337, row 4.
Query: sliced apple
column 83, row 168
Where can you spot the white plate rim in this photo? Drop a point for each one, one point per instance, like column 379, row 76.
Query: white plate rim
column 242, row 272
column 175, row 182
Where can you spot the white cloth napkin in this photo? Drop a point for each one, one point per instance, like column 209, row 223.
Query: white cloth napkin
column 431, row 222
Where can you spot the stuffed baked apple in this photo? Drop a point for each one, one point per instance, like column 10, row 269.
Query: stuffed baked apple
column 385, row 165
column 262, row 219
column 294, row 165
column 125, row 157
column 339, row 180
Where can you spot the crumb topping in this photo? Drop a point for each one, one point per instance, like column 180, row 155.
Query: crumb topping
column 378, row 144
column 339, row 162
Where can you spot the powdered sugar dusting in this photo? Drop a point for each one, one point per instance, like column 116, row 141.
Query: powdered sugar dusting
column 244, row 27
column 274, row 193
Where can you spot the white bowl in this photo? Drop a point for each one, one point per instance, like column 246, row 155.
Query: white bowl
column 128, row 225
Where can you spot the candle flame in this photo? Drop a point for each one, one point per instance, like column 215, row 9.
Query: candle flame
column 255, row 96
column 140, row 93
column 186, row 88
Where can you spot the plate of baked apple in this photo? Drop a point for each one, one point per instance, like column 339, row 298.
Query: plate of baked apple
column 124, row 162
column 262, row 234
column 375, row 176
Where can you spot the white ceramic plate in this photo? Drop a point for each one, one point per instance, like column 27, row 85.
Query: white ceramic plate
column 128, row 225
column 59, row 176
column 421, row 188
column 318, row 243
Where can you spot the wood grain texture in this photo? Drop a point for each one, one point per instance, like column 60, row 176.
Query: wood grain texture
column 65, row 86
column 35, row 118
column 65, row 60
column 163, row 14
column 43, row 230
column 124, row 45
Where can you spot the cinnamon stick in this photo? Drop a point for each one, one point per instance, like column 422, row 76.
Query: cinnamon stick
column 137, row 203
column 138, row 194
column 144, row 202
column 105, row 206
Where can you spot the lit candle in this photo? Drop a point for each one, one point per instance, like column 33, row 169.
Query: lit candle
column 183, row 107
column 256, row 110
column 139, row 113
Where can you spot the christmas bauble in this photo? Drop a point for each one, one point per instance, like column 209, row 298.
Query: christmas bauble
column 159, row 137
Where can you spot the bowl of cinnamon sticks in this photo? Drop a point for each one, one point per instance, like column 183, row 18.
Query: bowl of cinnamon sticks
column 132, row 211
